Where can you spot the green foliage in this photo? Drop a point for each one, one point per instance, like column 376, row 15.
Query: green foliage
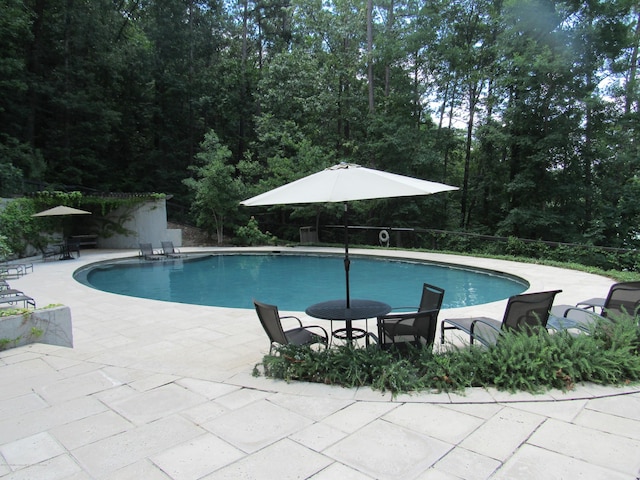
column 251, row 234
column 518, row 362
column 9, row 312
column 216, row 188
column 19, row 228
column 5, row 251
column 119, row 96
column 516, row 248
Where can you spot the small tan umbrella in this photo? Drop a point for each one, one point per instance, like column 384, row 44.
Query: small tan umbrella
column 59, row 211
column 62, row 211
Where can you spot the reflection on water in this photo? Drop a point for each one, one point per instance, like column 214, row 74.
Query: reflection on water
column 294, row 282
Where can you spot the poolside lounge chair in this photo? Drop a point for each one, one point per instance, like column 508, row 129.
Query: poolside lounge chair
column 169, row 250
column 527, row 312
column 10, row 297
column 623, row 298
column 10, row 270
column 417, row 327
column 148, row 253
column 272, row 323
column 19, row 268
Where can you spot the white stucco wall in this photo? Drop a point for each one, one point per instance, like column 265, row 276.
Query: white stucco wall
column 147, row 223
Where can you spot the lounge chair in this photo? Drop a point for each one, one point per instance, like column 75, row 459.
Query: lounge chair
column 417, row 327
column 12, row 270
column 272, row 323
column 169, row 250
column 148, row 253
column 11, row 297
column 623, row 298
column 527, row 312
column 19, row 268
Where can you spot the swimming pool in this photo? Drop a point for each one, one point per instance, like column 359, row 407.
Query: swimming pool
column 294, row 281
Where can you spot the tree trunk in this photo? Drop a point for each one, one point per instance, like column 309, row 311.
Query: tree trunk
column 370, row 54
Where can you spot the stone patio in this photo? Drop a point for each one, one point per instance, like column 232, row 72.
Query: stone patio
column 155, row 390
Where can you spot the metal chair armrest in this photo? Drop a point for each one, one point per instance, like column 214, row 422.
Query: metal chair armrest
column 483, row 322
column 291, row 316
column 326, row 335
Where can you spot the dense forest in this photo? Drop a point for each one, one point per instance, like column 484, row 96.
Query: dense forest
column 531, row 107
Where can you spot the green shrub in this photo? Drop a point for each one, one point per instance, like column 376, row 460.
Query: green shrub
column 252, row 235
column 610, row 354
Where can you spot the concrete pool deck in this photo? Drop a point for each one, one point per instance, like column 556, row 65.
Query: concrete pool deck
column 157, row 390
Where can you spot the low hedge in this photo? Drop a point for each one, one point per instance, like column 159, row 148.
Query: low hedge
column 609, row 355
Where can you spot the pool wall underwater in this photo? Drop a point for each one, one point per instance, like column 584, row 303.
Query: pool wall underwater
column 294, row 278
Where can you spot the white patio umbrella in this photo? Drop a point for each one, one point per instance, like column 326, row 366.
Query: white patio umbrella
column 343, row 183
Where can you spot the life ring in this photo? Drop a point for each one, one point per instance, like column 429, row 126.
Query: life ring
column 383, row 236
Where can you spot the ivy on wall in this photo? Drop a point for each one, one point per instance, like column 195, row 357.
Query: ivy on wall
column 19, row 229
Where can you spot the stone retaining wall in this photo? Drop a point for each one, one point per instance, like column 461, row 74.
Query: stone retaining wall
column 50, row 325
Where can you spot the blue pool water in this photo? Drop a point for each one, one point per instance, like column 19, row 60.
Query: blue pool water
column 294, row 282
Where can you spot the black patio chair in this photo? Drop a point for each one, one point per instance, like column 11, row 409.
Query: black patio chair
column 418, row 327
column 169, row 250
column 148, row 253
column 623, row 298
column 397, row 331
column 528, row 312
column 272, row 323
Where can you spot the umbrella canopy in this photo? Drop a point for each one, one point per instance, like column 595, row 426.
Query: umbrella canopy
column 346, row 182
column 59, row 211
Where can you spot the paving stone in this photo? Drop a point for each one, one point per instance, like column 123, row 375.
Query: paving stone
column 462, row 463
column 197, row 457
column 315, row 408
column 533, row 463
column 434, row 421
column 77, row 386
column 386, row 451
column 147, row 406
column 90, row 429
column 624, row 406
column 339, row 471
column 357, row 415
column 605, row 422
column 435, row 474
column 106, row 456
column 41, row 420
column 274, row 462
column 254, row 426
column 20, row 405
column 206, row 388
column 62, row 467
column 480, row 410
column 565, row 411
column 502, row 434
column 30, row 450
column 141, row 470
column 318, row 436
column 240, row 398
column 599, row 448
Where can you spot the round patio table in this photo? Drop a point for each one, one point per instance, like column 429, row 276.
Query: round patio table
column 359, row 309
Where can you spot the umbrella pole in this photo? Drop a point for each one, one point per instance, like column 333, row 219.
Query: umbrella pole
column 347, row 262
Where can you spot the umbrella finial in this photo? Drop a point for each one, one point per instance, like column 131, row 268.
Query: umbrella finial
column 342, row 165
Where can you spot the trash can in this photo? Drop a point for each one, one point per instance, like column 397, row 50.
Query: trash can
column 308, row 235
